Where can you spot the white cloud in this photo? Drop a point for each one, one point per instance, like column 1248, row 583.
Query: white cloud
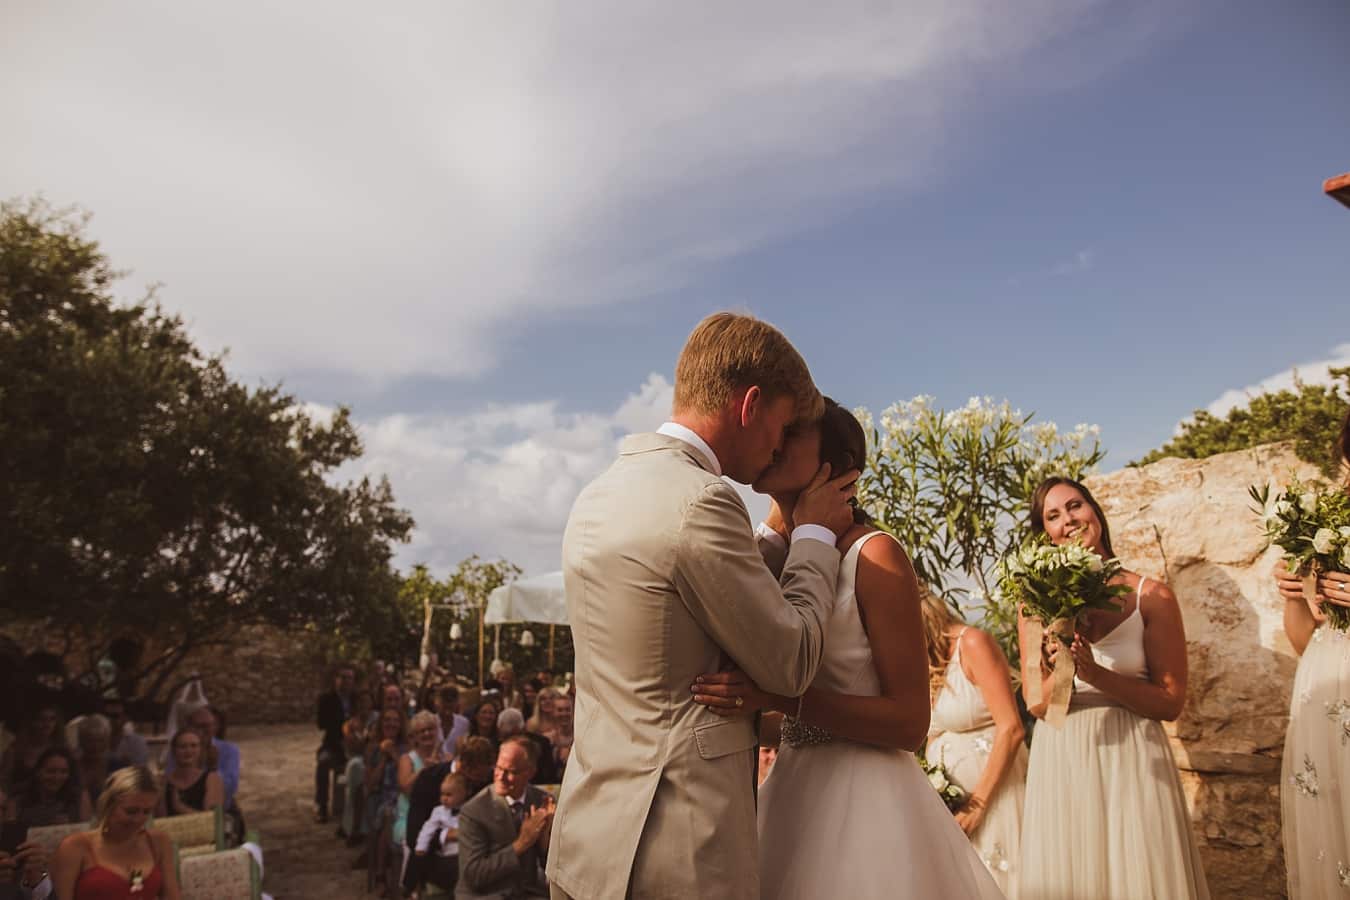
column 386, row 190
column 500, row 481
column 1314, row 372
column 1081, row 262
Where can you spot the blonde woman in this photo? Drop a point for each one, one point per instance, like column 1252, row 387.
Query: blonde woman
column 976, row 733
column 542, row 719
column 120, row 859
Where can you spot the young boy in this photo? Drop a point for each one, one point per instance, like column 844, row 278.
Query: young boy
column 442, row 869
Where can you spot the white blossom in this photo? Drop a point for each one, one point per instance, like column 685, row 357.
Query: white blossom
column 1324, row 540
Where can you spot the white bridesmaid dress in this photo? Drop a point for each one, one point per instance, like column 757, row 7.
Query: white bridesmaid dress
column 961, row 736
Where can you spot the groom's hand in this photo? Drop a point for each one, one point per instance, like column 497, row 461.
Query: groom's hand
column 720, row 691
column 825, row 501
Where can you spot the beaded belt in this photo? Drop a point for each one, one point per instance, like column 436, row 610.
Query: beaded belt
column 799, row 734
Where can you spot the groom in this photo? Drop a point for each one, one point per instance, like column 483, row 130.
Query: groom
column 665, row 582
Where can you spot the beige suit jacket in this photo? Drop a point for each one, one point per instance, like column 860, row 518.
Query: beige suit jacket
column 665, row 582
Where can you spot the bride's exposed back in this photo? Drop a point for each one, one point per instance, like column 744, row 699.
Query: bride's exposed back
column 846, row 810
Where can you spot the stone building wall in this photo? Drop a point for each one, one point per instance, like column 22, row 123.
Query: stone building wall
column 264, row 675
column 1190, row 523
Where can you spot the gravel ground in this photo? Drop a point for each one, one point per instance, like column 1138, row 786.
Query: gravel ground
column 302, row 860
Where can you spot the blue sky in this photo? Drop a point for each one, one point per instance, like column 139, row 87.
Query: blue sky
column 489, row 233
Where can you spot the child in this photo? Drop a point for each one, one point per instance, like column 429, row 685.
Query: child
column 443, row 868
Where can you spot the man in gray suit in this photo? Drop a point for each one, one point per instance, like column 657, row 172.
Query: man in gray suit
column 504, row 831
column 665, row 582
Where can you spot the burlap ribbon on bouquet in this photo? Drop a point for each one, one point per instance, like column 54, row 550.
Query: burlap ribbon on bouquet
column 1061, row 672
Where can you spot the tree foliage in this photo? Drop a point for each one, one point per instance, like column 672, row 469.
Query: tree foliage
column 955, row 489
column 1310, row 415
column 144, row 491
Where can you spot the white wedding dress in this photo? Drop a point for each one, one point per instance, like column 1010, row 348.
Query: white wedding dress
column 843, row 819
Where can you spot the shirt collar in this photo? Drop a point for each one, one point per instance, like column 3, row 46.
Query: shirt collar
column 690, row 437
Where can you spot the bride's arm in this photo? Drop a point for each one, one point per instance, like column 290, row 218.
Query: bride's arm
column 888, row 601
column 988, row 671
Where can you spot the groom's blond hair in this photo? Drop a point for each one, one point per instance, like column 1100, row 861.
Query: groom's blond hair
column 726, row 352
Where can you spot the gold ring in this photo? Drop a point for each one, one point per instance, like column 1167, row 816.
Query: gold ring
column 740, row 701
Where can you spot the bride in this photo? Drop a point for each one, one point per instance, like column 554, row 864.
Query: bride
column 846, row 810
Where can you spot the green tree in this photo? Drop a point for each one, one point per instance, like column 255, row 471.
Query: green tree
column 144, row 492
column 1310, row 415
column 955, row 489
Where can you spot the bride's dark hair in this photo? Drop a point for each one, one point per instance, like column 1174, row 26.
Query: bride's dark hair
column 844, row 446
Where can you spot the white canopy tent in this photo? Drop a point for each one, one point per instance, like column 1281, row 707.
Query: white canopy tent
column 536, row 599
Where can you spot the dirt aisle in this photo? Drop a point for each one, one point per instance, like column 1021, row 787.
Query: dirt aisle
column 302, row 860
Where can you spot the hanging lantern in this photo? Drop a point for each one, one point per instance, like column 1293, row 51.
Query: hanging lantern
column 527, row 638
column 456, row 632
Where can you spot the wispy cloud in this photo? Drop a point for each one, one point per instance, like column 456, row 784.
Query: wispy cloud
column 1311, row 372
column 1081, row 262
column 386, row 191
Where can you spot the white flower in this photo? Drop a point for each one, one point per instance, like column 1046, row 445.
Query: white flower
column 1094, row 564
column 1284, row 509
column 937, row 780
column 1324, row 540
column 1345, row 557
column 1308, row 500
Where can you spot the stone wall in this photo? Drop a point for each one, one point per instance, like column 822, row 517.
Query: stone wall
column 1190, row 523
column 263, row 676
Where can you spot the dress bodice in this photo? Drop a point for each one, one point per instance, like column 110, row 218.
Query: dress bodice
column 959, row 705
column 1121, row 650
column 847, row 666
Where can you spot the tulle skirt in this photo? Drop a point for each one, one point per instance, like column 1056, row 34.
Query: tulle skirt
column 1105, row 818
column 1315, row 787
column 848, row 820
column 998, row 841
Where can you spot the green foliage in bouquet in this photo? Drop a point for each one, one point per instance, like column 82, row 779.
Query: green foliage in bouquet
column 941, row 780
column 1056, row 582
column 1310, row 415
column 1311, row 524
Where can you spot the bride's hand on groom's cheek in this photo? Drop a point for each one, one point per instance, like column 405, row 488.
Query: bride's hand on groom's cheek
column 729, row 693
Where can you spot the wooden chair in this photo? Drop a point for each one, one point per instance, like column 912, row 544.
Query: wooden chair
column 49, row 837
column 224, row 875
column 194, row 834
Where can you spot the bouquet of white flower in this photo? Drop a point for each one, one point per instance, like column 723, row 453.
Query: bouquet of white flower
column 941, row 780
column 1311, row 524
column 1053, row 584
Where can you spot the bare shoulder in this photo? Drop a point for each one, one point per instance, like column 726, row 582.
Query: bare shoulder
column 1156, row 597
column 884, row 553
column 978, row 644
column 161, row 839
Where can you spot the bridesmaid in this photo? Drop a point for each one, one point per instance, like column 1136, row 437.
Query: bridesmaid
column 1313, row 801
column 976, row 732
column 1105, row 817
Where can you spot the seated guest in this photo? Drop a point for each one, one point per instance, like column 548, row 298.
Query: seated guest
column 191, row 786
column 504, row 831
column 125, row 746
column 542, row 720
column 23, row 873
column 506, row 677
column 93, row 736
column 483, row 721
column 437, row 848
column 121, row 857
column 53, row 795
column 509, row 724
column 39, row 731
column 207, row 722
column 425, row 751
column 453, row 725
column 355, row 732
column 476, row 758
column 560, row 735
column 529, row 695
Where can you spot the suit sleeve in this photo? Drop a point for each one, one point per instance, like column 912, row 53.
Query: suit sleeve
column 480, row 866
column 773, row 549
column 775, row 633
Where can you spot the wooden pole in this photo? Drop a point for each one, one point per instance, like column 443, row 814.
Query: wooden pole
column 550, row 647
column 481, row 637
